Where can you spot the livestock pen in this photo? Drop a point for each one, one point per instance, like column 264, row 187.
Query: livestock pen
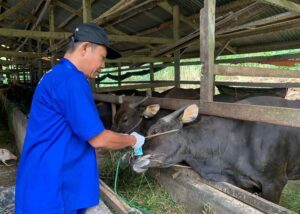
column 156, row 34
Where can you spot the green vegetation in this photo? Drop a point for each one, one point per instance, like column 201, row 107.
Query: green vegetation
column 192, row 72
column 290, row 197
column 138, row 190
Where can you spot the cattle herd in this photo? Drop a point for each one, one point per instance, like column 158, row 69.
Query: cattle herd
column 258, row 157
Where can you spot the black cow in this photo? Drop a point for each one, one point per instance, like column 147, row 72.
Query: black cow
column 242, row 92
column 131, row 116
column 105, row 113
column 134, row 117
column 255, row 156
column 134, row 92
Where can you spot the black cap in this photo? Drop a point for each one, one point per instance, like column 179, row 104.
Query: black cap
column 91, row 32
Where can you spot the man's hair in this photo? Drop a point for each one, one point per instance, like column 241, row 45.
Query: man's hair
column 72, row 46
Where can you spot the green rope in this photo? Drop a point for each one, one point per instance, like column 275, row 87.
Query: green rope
column 145, row 211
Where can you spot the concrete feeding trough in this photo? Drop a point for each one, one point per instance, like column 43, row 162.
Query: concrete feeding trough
column 195, row 193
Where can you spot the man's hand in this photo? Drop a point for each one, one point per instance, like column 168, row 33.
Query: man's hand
column 140, row 139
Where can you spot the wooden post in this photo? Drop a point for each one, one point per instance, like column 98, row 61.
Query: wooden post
column 151, row 76
column 86, row 10
column 24, row 76
column 176, row 53
column 51, row 29
column 119, row 73
column 207, row 47
column 39, row 72
column 17, row 77
column 87, row 17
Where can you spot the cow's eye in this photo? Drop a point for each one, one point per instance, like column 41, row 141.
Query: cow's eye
column 125, row 119
column 155, row 131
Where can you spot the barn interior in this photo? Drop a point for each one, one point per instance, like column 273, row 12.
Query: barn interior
column 151, row 35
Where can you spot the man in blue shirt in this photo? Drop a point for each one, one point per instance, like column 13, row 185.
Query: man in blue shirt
column 57, row 172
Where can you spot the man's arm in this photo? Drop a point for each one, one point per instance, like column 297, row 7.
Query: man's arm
column 112, row 140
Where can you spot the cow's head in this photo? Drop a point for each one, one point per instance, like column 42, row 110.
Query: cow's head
column 168, row 148
column 130, row 115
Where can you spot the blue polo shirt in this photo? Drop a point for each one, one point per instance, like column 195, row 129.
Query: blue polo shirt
column 57, row 172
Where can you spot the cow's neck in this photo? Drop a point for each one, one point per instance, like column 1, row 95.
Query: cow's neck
column 203, row 139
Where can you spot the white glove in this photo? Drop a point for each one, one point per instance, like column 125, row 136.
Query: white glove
column 140, row 139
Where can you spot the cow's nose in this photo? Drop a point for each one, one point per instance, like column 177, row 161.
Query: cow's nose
column 140, row 164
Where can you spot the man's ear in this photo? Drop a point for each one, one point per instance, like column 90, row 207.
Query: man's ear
column 151, row 110
column 190, row 114
column 83, row 48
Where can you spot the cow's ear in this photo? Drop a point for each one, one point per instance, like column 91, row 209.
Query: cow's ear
column 151, row 110
column 190, row 114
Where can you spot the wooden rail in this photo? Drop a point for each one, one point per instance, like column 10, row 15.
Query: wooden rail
column 267, row 114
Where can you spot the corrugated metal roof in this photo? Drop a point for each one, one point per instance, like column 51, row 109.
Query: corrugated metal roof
column 156, row 17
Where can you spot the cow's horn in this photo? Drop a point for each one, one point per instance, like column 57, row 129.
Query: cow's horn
column 174, row 114
column 134, row 105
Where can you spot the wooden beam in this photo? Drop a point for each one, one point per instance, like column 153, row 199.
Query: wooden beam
column 288, row 5
column 207, row 48
column 64, row 35
column 167, row 7
column 272, row 46
column 128, row 13
column 112, row 200
column 14, row 62
column 141, row 82
column 274, row 115
column 221, row 49
column 118, row 8
column 44, row 10
column 13, row 9
column 40, row 64
column 282, row 26
column 259, row 59
column 261, row 84
column 183, row 42
column 141, row 59
column 254, row 72
column 87, row 17
column 51, row 29
column 140, row 39
column 33, row 34
column 20, row 14
column 241, row 84
column 232, row 6
column 68, row 8
column 125, row 87
column 67, row 20
column 284, row 116
column 266, row 21
column 34, row 11
column 21, row 54
column 176, row 36
column 86, row 10
column 236, row 14
column 119, row 74
column 152, row 75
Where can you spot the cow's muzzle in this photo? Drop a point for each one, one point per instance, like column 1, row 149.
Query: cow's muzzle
column 140, row 164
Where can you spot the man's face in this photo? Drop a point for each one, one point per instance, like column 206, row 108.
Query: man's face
column 95, row 60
